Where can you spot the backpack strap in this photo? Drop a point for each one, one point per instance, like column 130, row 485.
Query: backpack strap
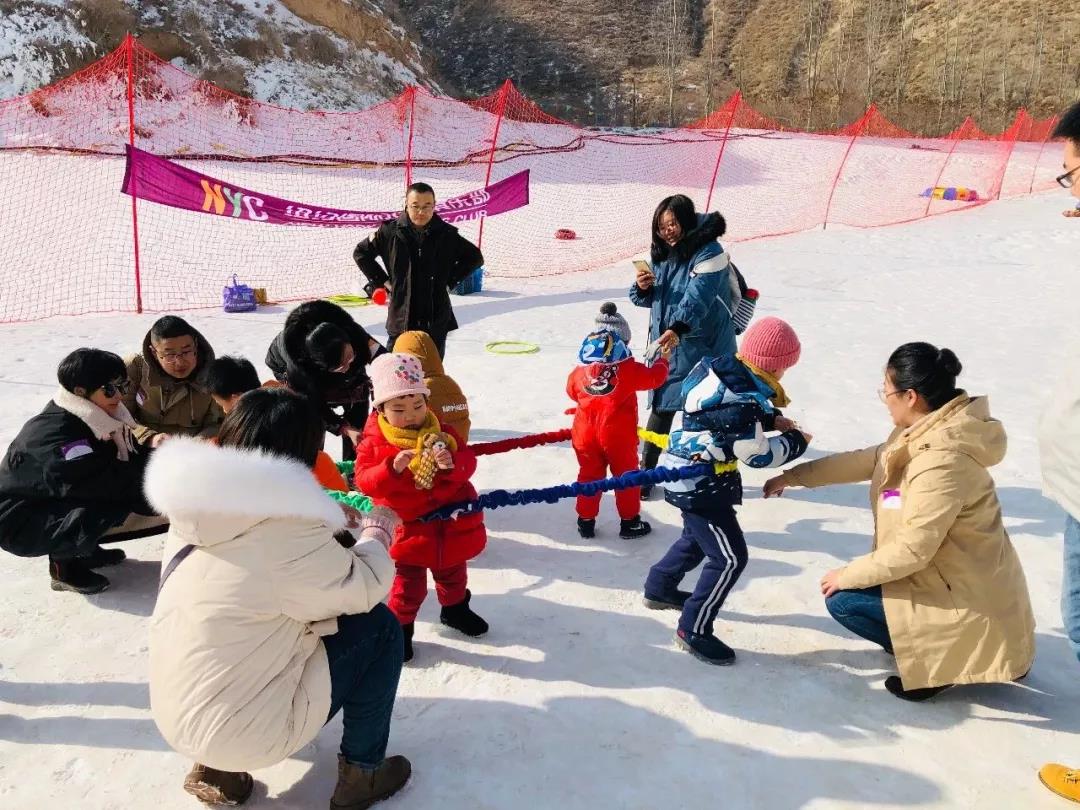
column 175, row 561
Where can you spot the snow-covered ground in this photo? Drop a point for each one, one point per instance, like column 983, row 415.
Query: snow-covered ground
column 578, row 698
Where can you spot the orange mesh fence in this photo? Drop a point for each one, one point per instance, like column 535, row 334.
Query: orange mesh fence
column 74, row 244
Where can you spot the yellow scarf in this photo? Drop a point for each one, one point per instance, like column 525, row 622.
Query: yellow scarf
column 407, row 438
column 779, row 398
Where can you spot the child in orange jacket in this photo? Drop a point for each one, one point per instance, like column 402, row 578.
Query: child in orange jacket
column 605, row 428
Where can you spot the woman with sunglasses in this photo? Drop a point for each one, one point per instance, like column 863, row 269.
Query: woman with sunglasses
column 72, row 478
column 943, row 589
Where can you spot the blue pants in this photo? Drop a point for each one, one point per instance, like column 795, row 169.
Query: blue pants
column 715, row 538
column 365, row 658
column 1070, row 584
column 863, row 613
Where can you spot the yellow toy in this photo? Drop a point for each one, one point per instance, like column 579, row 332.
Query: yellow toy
column 424, row 464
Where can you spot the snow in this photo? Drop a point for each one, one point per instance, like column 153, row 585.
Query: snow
column 578, row 697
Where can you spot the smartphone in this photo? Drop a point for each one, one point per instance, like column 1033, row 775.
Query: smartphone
column 642, row 266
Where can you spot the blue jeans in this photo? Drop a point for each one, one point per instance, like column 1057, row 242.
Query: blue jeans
column 365, row 658
column 863, row 613
column 1070, row 584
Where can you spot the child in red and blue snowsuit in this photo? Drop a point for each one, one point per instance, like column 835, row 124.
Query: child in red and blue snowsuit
column 605, row 428
column 730, row 402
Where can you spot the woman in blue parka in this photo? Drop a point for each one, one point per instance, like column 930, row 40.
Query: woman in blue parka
column 689, row 294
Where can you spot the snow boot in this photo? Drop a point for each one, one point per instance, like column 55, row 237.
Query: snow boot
column 1065, row 782
column 359, row 788
column 895, row 686
column 211, row 786
column 104, row 557
column 633, row 528
column 586, row 527
column 646, row 491
column 461, row 618
column 407, row 633
column 74, row 575
column 668, row 601
column 709, row 649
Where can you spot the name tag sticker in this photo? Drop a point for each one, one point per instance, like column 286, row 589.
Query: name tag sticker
column 890, row 499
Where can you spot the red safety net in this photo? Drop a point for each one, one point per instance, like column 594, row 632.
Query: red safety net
column 74, row 244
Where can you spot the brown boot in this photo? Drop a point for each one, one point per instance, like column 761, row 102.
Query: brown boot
column 218, row 787
column 359, row 788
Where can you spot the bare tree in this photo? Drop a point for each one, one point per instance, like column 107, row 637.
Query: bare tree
column 1034, row 83
column 672, row 39
column 906, row 25
column 710, row 76
column 875, row 18
column 844, row 30
column 1007, row 30
column 813, row 29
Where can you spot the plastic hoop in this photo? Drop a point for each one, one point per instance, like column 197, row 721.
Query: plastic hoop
column 347, row 300
column 511, row 347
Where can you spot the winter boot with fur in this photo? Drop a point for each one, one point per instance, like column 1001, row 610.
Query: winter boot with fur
column 359, row 788
column 462, row 618
column 211, row 786
column 74, row 575
column 633, row 528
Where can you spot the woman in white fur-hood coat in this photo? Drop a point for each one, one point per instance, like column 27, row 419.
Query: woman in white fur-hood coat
column 244, row 632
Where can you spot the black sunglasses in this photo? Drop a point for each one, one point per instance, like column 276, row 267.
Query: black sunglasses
column 114, row 388
column 1067, row 180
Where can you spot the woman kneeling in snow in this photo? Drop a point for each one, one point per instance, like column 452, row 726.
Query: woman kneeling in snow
column 266, row 625
column 943, row 588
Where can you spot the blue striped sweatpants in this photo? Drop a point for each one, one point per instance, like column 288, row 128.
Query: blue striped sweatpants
column 715, row 538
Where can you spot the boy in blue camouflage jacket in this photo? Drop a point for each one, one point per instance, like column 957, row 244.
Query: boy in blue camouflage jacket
column 730, row 403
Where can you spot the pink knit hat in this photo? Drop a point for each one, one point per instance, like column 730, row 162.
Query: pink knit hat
column 395, row 375
column 771, row 345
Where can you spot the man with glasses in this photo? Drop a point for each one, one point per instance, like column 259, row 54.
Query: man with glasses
column 422, row 258
column 1059, row 447
column 168, row 391
column 72, row 479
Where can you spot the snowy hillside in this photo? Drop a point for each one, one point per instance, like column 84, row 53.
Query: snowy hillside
column 307, row 54
column 578, row 698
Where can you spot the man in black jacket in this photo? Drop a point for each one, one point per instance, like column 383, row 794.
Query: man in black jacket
column 72, row 478
column 423, row 257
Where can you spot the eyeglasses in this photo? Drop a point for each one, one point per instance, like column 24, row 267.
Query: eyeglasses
column 884, row 395
column 1067, row 180
column 175, row 357
column 114, row 388
column 421, row 208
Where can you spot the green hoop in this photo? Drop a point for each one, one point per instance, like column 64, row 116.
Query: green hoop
column 511, row 347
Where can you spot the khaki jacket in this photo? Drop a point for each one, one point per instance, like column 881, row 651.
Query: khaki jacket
column 239, row 677
column 163, row 404
column 446, row 400
column 955, row 596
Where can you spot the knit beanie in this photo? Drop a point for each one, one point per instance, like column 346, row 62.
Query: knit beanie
column 395, row 375
column 771, row 345
column 609, row 320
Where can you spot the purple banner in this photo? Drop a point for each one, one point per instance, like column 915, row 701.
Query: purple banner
column 156, row 179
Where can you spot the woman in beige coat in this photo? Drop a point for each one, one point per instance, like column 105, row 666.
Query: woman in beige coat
column 266, row 623
column 943, row 588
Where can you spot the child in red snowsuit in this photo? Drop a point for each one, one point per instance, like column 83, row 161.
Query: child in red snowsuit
column 606, row 420
column 391, row 471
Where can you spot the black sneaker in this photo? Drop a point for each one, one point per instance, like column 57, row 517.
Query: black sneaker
column 709, row 649
column 104, row 557
column 669, row 601
column 462, row 618
column 895, row 687
column 646, row 492
column 74, row 575
column 633, row 528
column 586, row 528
